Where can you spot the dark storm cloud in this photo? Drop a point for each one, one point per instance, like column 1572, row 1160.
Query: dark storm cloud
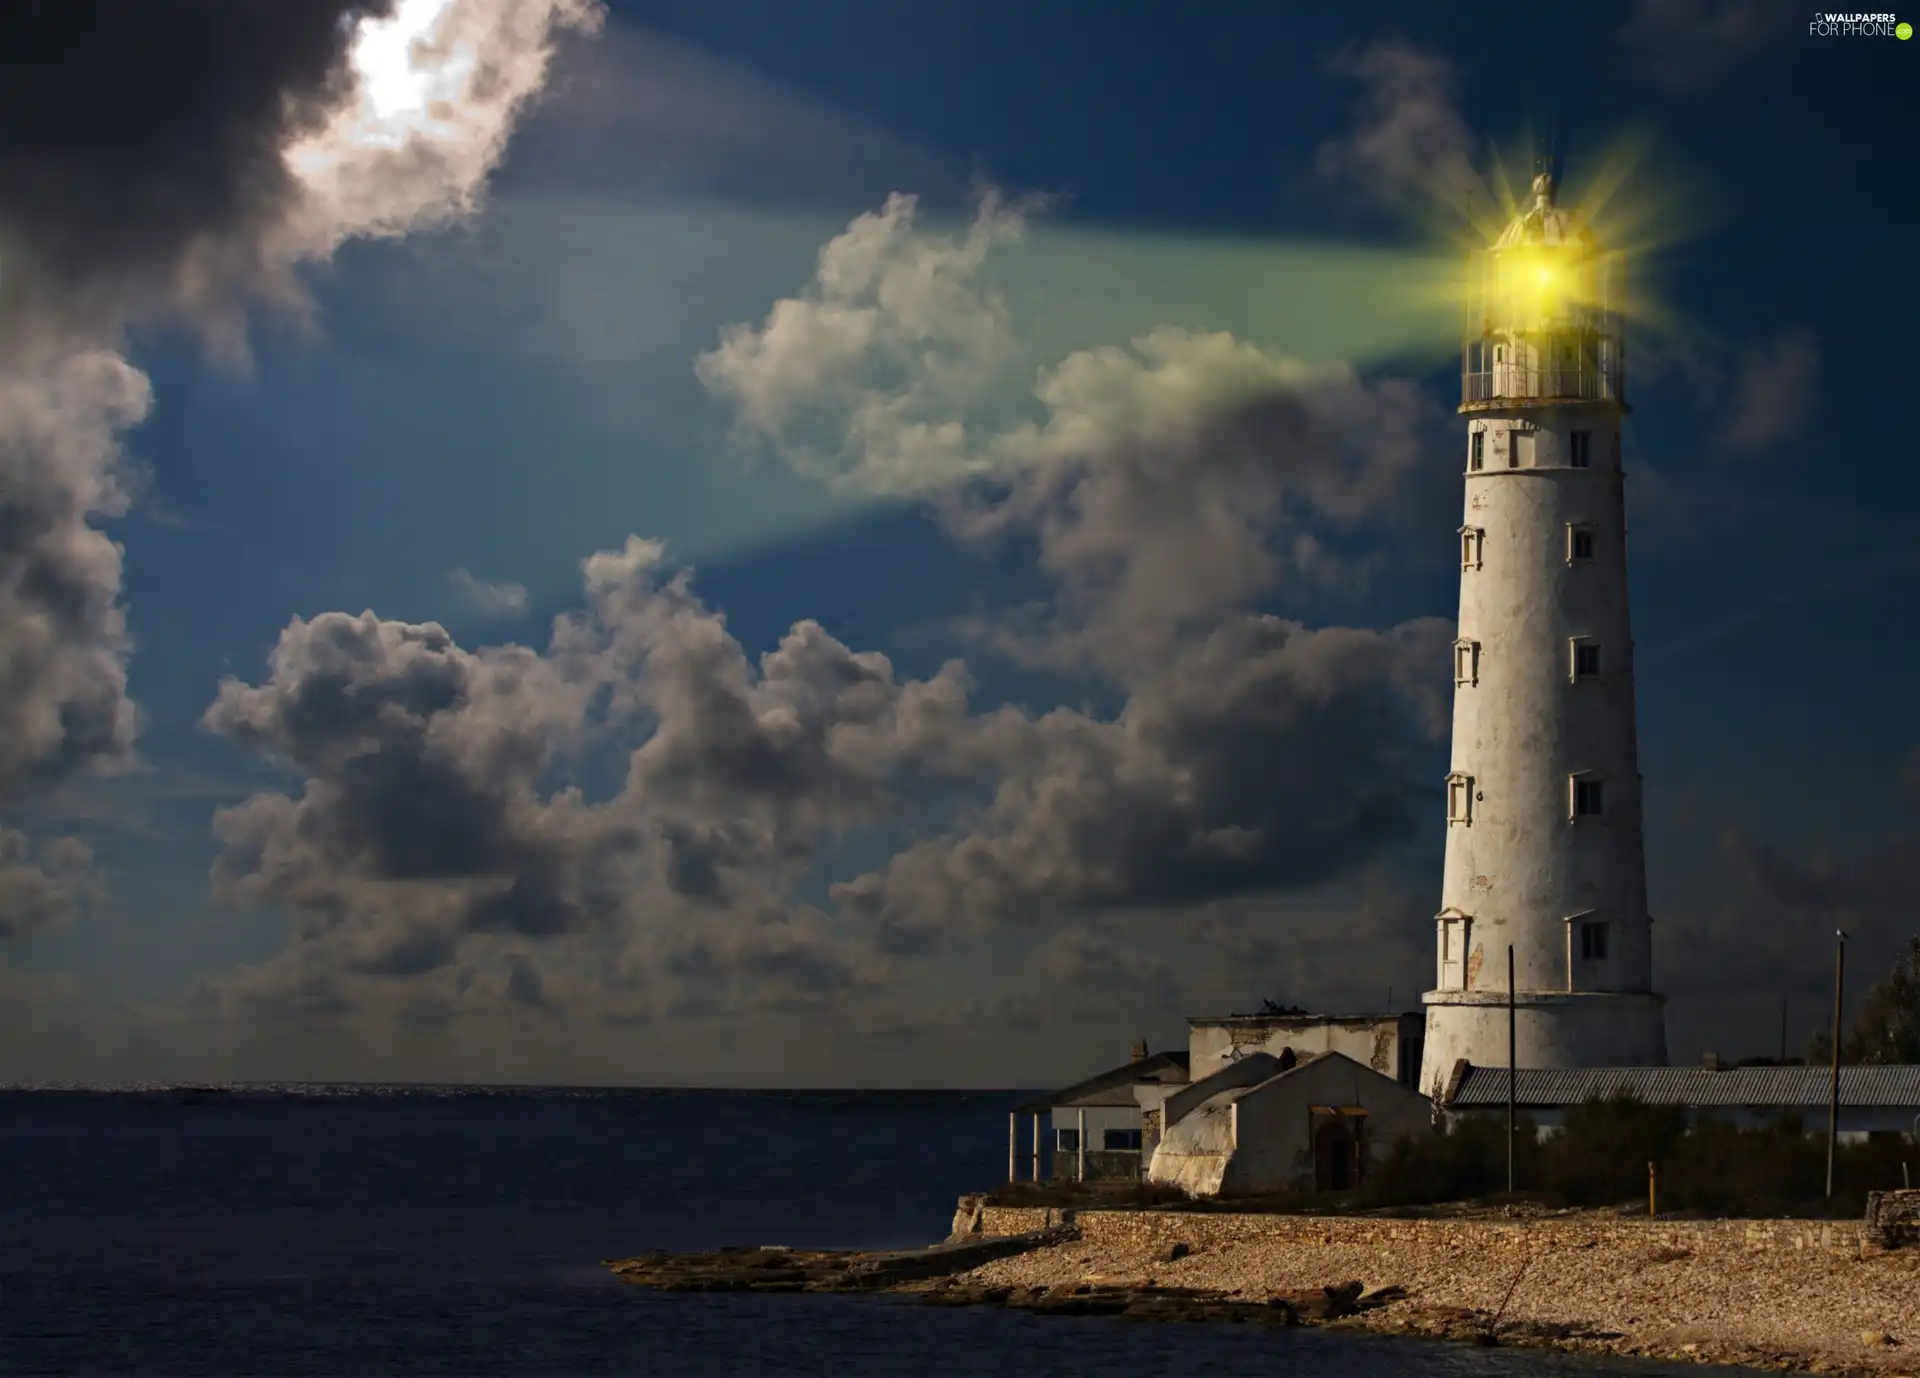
column 177, row 161
column 139, row 163
column 1773, row 929
column 140, row 145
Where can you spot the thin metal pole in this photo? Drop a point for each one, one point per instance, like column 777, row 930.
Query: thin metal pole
column 1083, row 1146
column 1036, row 1145
column 1833, row 1094
column 1513, row 1064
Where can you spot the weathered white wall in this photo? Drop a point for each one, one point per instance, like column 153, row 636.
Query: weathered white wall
column 1374, row 1043
column 1274, row 1151
column 1241, row 1138
column 1553, row 1029
column 1522, row 868
column 1245, row 1071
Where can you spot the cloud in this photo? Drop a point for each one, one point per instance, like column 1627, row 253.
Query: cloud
column 1265, row 756
column 1770, row 926
column 1410, row 145
column 63, row 694
column 862, row 379
column 428, row 824
column 1155, row 472
column 488, row 599
column 1682, row 44
column 211, row 151
column 1773, row 393
column 42, row 887
column 1169, row 485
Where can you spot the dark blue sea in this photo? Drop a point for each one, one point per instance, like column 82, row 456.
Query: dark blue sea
column 362, row 1231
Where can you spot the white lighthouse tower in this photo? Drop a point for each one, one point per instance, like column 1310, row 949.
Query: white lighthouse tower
column 1544, row 851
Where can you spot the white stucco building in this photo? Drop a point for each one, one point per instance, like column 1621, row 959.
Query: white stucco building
column 1544, row 849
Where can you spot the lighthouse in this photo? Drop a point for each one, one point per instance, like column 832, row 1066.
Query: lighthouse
column 1544, row 853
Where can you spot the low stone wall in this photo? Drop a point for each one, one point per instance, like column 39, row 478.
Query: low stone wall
column 1893, row 1220
column 1844, row 1238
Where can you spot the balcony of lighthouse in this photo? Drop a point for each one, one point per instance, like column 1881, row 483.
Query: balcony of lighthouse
column 1543, row 316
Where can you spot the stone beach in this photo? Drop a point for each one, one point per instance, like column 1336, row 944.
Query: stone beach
column 1811, row 1295
column 1821, row 1296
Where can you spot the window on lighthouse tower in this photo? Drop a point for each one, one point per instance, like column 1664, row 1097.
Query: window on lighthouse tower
column 1589, row 796
column 1579, row 541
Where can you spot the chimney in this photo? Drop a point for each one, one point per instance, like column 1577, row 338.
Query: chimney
column 1710, row 1061
column 1139, row 1053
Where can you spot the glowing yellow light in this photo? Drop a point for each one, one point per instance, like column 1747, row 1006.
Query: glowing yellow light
column 1546, row 276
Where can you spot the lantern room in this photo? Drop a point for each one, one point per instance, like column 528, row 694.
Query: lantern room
column 1543, row 313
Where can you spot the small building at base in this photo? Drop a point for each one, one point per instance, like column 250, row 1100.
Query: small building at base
column 1264, row 1124
column 1093, row 1128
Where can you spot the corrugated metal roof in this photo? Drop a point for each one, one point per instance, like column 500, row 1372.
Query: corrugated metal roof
column 1768, row 1087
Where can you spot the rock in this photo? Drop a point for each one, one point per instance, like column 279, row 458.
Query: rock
column 1875, row 1339
column 1343, row 1300
column 1174, row 1253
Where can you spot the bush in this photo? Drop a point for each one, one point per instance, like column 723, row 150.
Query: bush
column 1464, row 1161
column 1600, row 1155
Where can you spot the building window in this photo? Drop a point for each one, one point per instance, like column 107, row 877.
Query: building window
column 1514, row 439
column 1477, row 453
column 1580, row 449
column 1466, row 662
column 1121, row 1140
column 1589, row 796
column 1068, row 1140
column 1472, row 544
column 1459, row 798
column 1579, row 541
column 1593, row 942
column 1586, row 659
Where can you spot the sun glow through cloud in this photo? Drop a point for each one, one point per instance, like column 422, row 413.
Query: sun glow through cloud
column 397, row 92
column 438, row 86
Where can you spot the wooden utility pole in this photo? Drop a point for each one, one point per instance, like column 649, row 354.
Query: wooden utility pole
column 1513, row 1062
column 1653, row 1199
column 1833, row 1092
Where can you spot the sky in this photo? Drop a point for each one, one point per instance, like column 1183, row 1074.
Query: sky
column 881, row 543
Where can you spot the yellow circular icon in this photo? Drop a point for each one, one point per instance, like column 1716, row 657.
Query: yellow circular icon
column 1903, row 30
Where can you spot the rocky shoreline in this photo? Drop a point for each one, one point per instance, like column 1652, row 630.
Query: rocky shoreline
column 1780, row 1295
